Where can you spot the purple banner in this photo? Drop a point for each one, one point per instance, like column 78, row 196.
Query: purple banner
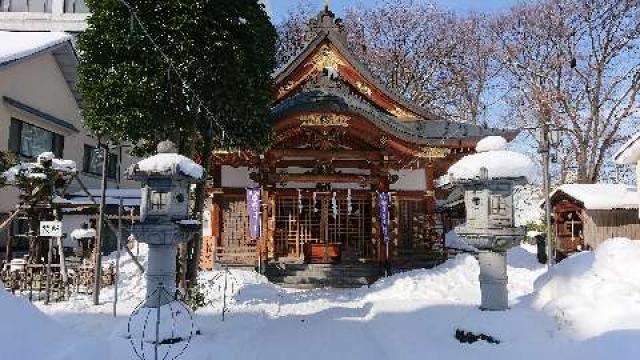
column 383, row 201
column 254, row 201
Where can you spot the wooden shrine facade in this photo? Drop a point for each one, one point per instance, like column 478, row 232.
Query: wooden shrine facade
column 339, row 138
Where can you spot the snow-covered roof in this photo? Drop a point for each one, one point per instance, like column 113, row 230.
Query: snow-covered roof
column 630, row 152
column 491, row 155
column 601, row 196
column 18, row 45
column 168, row 163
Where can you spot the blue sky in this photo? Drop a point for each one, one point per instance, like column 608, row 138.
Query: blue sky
column 279, row 8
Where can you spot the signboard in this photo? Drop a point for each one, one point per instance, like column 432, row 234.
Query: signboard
column 51, row 228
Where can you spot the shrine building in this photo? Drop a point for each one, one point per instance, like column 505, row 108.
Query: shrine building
column 340, row 140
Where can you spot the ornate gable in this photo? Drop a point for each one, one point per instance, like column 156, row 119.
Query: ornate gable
column 327, row 59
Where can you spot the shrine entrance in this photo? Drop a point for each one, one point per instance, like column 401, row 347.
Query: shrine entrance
column 318, row 227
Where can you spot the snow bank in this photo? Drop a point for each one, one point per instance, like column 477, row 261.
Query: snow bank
column 27, row 333
column 595, row 292
column 170, row 163
column 16, row 45
column 602, row 196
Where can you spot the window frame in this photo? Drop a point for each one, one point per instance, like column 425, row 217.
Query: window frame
column 112, row 163
column 16, row 133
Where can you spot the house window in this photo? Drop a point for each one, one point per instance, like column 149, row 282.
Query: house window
column 30, row 140
column 93, row 162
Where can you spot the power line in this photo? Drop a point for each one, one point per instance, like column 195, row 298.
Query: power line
column 185, row 85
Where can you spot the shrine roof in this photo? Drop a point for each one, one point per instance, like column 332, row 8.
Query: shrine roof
column 420, row 132
column 328, row 28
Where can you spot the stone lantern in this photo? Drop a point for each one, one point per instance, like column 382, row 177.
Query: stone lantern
column 490, row 228
column 488, row 179
column 164, row 216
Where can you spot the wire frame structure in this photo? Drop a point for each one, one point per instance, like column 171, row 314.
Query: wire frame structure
column 161, row 333
column 222, row 287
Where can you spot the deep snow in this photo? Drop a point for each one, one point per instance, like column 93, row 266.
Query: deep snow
column 588, row 307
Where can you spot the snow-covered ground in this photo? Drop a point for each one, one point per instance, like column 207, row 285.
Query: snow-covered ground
column 588, row 307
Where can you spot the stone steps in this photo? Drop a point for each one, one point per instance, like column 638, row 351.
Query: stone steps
column 322, row 275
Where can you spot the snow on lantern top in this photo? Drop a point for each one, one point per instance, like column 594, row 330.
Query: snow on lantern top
column 167, row 163
column 498, row 162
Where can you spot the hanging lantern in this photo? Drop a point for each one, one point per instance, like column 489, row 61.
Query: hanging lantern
column 315, row 196
column 349, row 207
column 300, row 206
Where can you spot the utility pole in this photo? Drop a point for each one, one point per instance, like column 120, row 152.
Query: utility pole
column 546, row 181
column 98, row 246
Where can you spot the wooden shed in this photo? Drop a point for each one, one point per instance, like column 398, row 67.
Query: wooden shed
column 585, row 215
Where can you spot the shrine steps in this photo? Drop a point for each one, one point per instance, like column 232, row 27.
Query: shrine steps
column 310, row 276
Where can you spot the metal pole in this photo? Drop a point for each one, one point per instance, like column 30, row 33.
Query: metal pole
column 546, row 180
column 48, row 288
column 119, row 246
column 224, row 294
column 155, row 347
column 98, row 247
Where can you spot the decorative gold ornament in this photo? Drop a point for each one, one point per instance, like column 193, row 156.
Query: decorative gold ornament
column 326, row 59
column 286, row 88
column 324, row 120
column 434, row 153
column 429, row 193
column 384, row 140
column 402, row 114
column 364, row 88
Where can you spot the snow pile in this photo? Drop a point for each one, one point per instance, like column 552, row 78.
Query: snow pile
column 491, row 155
column 83, row 234
column 16, row 45
column 27, row 333
column 602, row 196
column 169, row 164
column 630, row 152
column 595, row 292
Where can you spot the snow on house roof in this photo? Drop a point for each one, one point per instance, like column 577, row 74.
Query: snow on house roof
column 630, row 152
column 601, row 196
column 18, row 45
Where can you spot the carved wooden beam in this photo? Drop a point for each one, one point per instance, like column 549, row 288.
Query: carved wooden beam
column 325, row 155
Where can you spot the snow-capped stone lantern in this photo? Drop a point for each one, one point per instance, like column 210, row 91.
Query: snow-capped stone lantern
column 164, row 216
column 488, row 179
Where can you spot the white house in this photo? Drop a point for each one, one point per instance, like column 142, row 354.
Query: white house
column 40, row 110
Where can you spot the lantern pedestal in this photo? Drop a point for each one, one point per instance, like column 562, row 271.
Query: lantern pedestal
column 493, row 280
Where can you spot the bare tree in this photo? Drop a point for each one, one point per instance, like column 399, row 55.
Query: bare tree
column 406, row 45
column 291, row 32
column 473, row 69
column 575, row 65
